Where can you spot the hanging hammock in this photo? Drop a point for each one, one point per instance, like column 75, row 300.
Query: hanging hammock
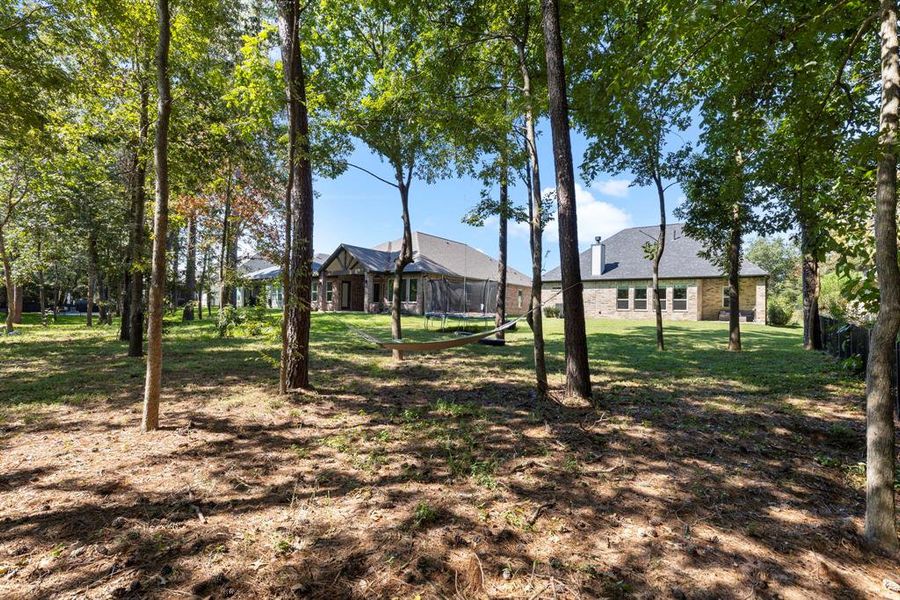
column 437, row 344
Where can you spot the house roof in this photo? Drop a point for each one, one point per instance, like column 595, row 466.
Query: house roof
column 273, row 271
column 625, row 257
column 434, row 254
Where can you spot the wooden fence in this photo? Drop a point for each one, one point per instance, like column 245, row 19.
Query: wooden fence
column 843, row 340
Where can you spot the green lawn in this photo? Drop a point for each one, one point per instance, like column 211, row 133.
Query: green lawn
column 720, row 474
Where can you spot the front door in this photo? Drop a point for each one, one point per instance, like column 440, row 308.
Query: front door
column 345, row 295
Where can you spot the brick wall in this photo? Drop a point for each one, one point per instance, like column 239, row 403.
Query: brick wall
column 752, row 296
column 600, row 299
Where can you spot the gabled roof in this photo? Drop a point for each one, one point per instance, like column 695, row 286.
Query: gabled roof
column 273, row 271
column 625, row 257
column 434, row 254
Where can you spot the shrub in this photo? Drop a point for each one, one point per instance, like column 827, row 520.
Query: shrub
column 552, row 312
column 229, row 318
column 778, row 315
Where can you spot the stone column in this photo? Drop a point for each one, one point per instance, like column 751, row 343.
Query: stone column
column 367, row 292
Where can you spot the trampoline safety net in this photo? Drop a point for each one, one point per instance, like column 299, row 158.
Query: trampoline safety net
column 461, row 297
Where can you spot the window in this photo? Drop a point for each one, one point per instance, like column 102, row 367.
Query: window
column 377, row 292
column 315, row 292
column 410, row 290
column 679, row 297
column 519, row 298
column 329, row 291
column 726, row 296
column 640, row 299
column 663, row 293
column 622, row 299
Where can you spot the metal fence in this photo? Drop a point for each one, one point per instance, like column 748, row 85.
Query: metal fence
column 843, row 340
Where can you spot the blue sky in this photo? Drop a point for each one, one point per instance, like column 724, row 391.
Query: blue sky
column 358, row 209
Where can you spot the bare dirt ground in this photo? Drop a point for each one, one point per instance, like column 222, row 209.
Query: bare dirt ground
column 443, row 477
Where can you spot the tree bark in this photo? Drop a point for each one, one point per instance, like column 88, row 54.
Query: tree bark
column 299, row 282
column 135, row 314
column 812, row 326
column 536, row 227
column 880, row 527
column 42, row 298
column 503, row 244
column 404, row 258
column 225, row 274
column 18, row 303
column 190, row 270
column 657, row 258
column 578, row 382
column 202, row 285
column 175, row 255
column 92, row 278
column 8, row 283
column 153, row 381
column 734, row 283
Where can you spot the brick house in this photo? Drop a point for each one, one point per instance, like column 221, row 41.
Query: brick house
column 617, row 280
column 445, row 276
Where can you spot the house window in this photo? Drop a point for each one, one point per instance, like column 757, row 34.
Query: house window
column 679, row 297
column 663, row 293
column 519, row 299
column 622, row 299
column 640, row 299
column 315, row 292
column 329, row 291
column 377, row 292
column 410, row 290
column 726, row 296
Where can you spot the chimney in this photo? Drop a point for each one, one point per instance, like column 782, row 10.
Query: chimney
column 598, row 257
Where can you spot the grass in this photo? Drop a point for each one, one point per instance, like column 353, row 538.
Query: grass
column 697, row 465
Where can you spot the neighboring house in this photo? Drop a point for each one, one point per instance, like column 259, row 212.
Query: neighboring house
column 617, row 280
column 445, row 276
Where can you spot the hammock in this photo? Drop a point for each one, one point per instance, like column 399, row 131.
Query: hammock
column 435, row 345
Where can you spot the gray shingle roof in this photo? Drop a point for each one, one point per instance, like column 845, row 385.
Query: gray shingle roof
column 273, row 271
column 625, row 257
column 439, row 255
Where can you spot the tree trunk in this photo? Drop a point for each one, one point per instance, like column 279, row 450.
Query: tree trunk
column 103, row 292
column 880, row 528
column 135, row 313
column 42, row 298
column 175, row 255
column 190, row 270
column 8, row 283
column 578, row 382
column 18, row 303
column 404, row 258
column 536, row 229
column 202, row 284
column 225, row 275
column 299, row 281
column 657, row 258
column 812, row 326
column 92, row 278
column 503, row 244
column 734, row 282
column 153, row 382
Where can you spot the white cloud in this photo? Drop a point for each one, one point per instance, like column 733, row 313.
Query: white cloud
column 617, row 188
column 595, row 217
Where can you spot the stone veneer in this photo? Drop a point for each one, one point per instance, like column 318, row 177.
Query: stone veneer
column 600, row 298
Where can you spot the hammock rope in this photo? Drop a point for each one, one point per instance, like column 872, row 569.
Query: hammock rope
column 447, row 343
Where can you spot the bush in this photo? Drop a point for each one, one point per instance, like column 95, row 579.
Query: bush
column 779, row 315
column 552, row 312
column 229, row 318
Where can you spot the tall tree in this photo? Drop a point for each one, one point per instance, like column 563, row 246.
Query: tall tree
column 298, row 208
column 387, row 92
column 153, row 380
column 578, row 381
column 190, row 269
column 880, row 528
